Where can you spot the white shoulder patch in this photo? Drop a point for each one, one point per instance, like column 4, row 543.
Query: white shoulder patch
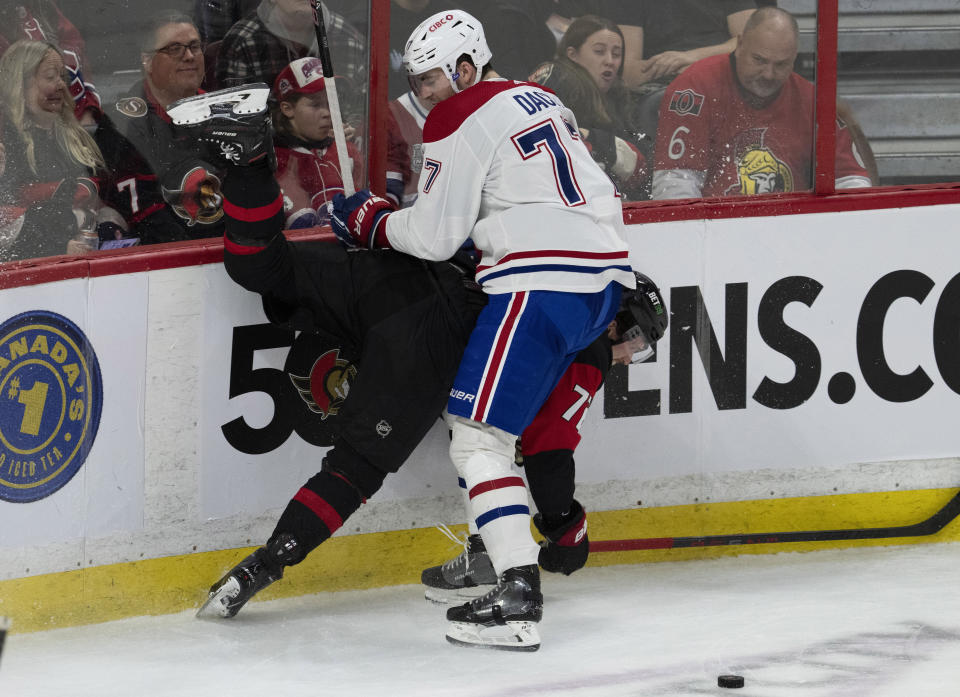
column 134, row 107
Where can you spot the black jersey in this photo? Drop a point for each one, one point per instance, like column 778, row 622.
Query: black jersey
column 403, row 323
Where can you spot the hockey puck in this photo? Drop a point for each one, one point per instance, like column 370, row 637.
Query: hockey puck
column 730, row 680
column 4, row 626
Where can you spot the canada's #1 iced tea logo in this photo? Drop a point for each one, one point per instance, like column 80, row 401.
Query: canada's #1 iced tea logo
column 50, row 401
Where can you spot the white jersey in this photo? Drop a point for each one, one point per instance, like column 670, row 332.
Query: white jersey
column 503, row 164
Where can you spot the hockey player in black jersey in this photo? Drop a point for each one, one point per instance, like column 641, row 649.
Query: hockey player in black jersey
column 394, row 312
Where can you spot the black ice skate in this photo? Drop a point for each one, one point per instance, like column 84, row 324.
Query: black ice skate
column 505, row 618
column 230, row 124
column 249, row 577
column 466, row 576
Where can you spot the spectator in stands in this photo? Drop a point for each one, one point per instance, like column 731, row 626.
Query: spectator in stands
column 48, row 158
column 586, row 74
column 259, row 46
column 215, row 17
column 158, row 182
column 743, row 124
column 42, row 20
column 308, row 166
column 524, row 38
column 405, row 122
column 663, row 39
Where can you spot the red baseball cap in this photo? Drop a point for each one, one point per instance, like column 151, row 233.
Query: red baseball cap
column 302, row 76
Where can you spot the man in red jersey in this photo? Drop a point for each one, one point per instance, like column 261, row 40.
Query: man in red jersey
column 743, row 124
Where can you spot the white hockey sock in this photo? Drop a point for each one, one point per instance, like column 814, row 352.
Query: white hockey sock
column 467, row 508
column 498, row 497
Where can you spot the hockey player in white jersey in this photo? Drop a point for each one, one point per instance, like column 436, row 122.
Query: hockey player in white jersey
column 503, row 166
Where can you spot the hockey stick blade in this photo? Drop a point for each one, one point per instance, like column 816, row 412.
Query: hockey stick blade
column 924, row 528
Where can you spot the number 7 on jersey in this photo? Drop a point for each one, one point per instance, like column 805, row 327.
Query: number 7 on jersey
column 544, row 137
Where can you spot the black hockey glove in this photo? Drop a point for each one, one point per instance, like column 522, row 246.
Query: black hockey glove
column 603, row 147
column 566, row 546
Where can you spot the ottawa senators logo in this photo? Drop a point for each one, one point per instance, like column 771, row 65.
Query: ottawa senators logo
column 686, row 102
column 760, row 172
column 134, row 107
column 328, row 384
column 198, row 200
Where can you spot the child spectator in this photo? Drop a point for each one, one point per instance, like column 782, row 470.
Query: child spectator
column 48, row 157
column 308, row 166
column 587, row 76
column 42, row 20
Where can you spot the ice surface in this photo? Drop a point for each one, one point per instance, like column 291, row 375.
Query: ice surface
column 869, row 622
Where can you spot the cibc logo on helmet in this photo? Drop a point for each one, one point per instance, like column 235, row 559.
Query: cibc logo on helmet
column 439, row 23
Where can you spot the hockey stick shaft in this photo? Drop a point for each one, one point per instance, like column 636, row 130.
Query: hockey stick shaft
column 330, row 86
column 930, row 526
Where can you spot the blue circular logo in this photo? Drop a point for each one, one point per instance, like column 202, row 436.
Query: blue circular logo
column 51, row 396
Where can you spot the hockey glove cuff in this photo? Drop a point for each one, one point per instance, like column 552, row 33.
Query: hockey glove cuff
column 361, row 220
column 603, row 147
column 566, row 546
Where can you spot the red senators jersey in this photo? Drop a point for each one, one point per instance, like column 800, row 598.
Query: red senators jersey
column 404, row 148
column 557, row 424
column 309, row 178
column 712, row 142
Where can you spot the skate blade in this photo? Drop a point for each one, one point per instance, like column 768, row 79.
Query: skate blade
column 446, row 596
column 246, row 99
column 216, row 602
column 512, row 636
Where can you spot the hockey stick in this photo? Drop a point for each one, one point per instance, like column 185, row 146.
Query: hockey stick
column 329, row 83
column 930, row 526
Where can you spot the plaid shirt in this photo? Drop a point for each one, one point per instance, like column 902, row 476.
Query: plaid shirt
column 215, row 17
column 250, row 52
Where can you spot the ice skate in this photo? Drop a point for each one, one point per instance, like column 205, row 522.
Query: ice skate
column 505, row 618
column 249, row 577
column 230, row 124
column 466, row 576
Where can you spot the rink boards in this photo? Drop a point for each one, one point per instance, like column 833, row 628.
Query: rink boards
column 150, row 434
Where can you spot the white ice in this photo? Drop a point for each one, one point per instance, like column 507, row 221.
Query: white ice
column 868, row 622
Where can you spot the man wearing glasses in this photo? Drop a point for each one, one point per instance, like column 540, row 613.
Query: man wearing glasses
column 159, row 183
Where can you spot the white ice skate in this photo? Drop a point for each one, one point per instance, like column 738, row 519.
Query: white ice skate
column 246, row 100
column 230, row 125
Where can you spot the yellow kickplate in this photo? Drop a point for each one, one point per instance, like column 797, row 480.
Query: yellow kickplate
column 174, row 584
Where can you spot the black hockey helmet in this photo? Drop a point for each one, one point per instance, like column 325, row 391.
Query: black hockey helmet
column 642, row 318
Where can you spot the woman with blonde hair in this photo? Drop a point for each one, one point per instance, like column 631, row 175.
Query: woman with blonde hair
column 49, row 158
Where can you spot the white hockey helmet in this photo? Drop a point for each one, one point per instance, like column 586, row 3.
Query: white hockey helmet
column 441, row 39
